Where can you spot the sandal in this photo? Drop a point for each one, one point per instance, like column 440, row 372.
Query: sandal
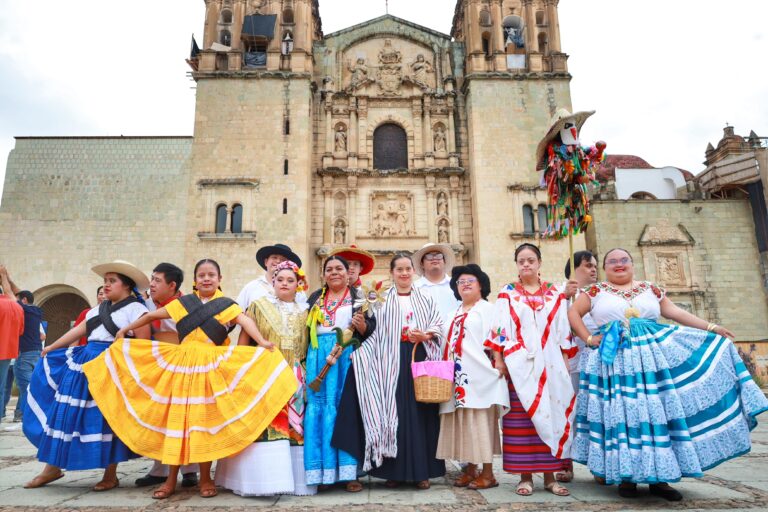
column 163, row 492
column 208, row 490
column 423, row 485
column 464, row 480
column 42, row 479
column 106, row 485
column 481, row 483
column 564, row 476
column 524, row 488
column 353, row 486
column 557, row 489
column 391, row 484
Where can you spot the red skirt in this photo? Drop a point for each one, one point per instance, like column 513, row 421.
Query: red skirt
column 524, row 451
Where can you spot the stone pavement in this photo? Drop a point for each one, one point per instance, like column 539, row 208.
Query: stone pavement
column 741, row 484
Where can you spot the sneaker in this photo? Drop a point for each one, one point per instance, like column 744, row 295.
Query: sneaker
column 148, row 480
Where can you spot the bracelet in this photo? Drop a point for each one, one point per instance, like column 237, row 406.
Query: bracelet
column 589, row 340
column 711, row 327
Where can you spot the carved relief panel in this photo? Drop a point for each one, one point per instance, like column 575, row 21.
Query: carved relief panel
column 391, row 214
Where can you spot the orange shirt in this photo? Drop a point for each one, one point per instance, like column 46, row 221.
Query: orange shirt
column 11, row 327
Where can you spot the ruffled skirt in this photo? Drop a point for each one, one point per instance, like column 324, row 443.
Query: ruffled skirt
column 194, row 402
column 61, row 418
column 675, row 402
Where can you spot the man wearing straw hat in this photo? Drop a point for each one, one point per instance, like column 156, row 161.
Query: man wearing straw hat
column 433, row 262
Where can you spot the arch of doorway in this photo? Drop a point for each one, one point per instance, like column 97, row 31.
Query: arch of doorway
column 61, row 304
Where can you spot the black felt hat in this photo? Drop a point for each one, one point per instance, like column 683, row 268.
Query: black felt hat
column 280, row 249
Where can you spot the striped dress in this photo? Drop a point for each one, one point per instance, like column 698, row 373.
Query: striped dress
column 531, row 330
column 659, row 402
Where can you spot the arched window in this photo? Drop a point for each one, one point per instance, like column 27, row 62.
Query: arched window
column 225, row 38
column 540, row 20
column 237, row 219
column 541, row 216
column 642, row 195
column 390, row 147
column 542, row 42
column 485, row 18
column 221, row 218
column 226, row 16
column 528, row 220
column 487, row 43
column 288, row 16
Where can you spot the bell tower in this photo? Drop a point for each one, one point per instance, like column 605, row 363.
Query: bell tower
column 516, row 78
column 250, row 165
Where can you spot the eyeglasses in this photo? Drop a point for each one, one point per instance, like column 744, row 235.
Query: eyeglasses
column 620, row 261
column 432, row 256
column 464, row 282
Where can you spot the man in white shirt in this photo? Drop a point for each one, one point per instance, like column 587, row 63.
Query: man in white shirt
column 164, row 288
column 268, row 257
column 433, row 262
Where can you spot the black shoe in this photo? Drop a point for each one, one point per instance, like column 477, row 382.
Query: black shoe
column 666, row 492
column 148, row 480
column 189, row 479
column 628, row 491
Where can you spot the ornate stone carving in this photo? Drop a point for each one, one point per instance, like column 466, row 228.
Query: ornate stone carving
column 443, row 232
column 390, row 75
column 422, row 71
column 360, row 73
column 388, row 54
column 662, row 233
column 391, row 214
column 670, row 269
column 340, row 139
column 254, row 7
column 440, row 141
column 340, row 232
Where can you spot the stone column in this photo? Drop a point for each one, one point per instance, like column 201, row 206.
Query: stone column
column 428, row 140
column 472, row 22
column 529, row 16
column 498, row 33
column 353, row 126
column 351, row 209
column 554, row 25
column 212, row 12
column 328, row 210
column 431, row 209
column 329, row 123
column 300, row 26
column 418, row 133
column 238, row 15
column 451, row 128
column 454, row 208
column 362, row 113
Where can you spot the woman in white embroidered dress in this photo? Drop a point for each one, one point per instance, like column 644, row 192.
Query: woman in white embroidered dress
column 531, row 341
column 469, row 422
column 657, row 402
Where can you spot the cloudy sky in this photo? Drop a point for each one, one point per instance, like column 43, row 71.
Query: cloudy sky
column 664, row 76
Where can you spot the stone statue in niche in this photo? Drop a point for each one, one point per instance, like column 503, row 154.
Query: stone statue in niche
column 402, row 219
column 440, row 139
column 341, row 139
column 340, row 232
column 421, row 70
column 442, row 232
column 359, row 73
column 254, row 7
column 381, row 223
column 442, row 204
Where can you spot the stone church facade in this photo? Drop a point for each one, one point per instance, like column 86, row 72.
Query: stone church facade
column 387, row 135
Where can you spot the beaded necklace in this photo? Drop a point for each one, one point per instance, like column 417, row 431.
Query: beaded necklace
column 330, row 314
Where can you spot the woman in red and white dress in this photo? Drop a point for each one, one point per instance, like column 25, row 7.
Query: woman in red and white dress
column 531, row 340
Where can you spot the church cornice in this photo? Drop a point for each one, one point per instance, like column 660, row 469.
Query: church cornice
column 382, row 173
column 251, row 74
column 385, row 18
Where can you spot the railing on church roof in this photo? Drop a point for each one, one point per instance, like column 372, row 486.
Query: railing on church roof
column 757, row 142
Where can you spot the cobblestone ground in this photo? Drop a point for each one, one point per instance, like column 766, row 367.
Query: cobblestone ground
column 741, row 484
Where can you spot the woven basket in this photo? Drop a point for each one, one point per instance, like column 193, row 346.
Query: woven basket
column 431, row 389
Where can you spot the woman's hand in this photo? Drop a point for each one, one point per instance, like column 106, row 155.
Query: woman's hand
column 594, row 340
column 266, row 344
column 571, row 287
column 722, row 331
column 358, row 322
column 120, row 334
column 417, row 336
column 501, row 367
column 45, row 351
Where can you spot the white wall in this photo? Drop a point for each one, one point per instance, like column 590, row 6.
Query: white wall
column 661, row 183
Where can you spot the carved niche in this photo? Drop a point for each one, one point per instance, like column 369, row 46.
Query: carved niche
column 391, row 214
column 667, row 253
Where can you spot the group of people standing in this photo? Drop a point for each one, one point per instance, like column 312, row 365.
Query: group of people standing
column 318, row 389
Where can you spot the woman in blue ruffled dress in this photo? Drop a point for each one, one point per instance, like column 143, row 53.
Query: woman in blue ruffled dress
column 657, row 402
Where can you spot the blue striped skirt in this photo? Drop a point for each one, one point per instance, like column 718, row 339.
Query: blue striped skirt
column 62, row 420
column 675, row 402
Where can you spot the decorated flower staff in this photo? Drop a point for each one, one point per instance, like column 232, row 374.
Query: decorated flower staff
column 568, row 169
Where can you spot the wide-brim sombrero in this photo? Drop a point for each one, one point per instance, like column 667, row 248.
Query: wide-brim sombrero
column 353, row 253
column 556, row 124
column 445, row 249
column 125, row 268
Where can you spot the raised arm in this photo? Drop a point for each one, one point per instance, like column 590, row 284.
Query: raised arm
column 144, row 320
column 249, row 326
column 677, row 314
column 66, row 340
column 5, row 281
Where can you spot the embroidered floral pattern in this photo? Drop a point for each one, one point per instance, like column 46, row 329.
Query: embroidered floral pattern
column 629, row 294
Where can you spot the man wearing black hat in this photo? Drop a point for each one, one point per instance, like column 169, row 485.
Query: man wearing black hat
column 269, row 258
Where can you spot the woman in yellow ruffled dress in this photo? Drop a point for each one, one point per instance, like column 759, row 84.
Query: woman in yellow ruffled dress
column 274, row 464
column 198, row 401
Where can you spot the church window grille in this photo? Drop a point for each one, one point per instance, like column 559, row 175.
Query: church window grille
column 528, row 220
column 390, row 147
column 221, row 218
column 237, row 219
